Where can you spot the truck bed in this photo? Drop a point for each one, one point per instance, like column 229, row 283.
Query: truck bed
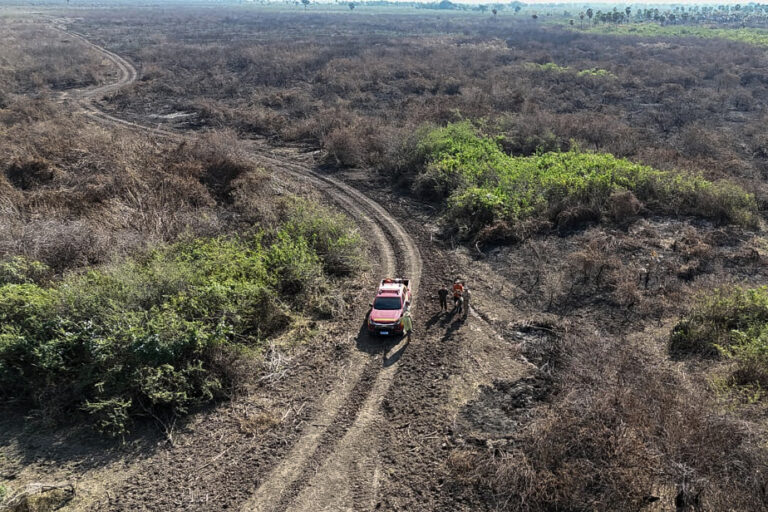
column 405, row 282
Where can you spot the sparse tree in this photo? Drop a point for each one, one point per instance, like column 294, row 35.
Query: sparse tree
column 581, row 17
column 517, row 9
column 305, row 2
column 351, row 6
column 482, row 8
column 494, row 11
column 570, row 22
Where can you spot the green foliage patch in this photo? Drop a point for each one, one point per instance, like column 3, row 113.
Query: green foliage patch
column 551, row 67
column 20, row 270
column 730, row 323
column 145, row 336
column 755, row 36
column 482, row 186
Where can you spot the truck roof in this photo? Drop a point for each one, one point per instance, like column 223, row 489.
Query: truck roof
column 392, row 287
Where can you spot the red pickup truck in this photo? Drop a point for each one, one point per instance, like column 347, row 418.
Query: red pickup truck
column 392, row 299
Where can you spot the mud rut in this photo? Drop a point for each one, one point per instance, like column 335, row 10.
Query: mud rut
column 335, row 463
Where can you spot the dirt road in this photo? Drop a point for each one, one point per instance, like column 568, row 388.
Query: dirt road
column 349, row 450
column 347, row 455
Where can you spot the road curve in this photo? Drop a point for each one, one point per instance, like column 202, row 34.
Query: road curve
column 334, row 464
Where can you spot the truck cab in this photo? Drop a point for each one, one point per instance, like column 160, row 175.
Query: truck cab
column 388, row 307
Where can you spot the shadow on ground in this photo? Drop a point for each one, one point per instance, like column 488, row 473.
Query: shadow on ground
column 391, row 348
column 25, row 441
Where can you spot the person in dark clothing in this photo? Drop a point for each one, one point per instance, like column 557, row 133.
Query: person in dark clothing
column 442, row 293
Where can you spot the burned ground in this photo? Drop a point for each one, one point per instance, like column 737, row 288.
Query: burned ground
column 350, row 84
column 558, row 391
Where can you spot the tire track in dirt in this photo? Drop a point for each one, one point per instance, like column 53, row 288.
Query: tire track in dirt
column 345, row 421
column 128, row 73
column 344, row 474
column 345, row 438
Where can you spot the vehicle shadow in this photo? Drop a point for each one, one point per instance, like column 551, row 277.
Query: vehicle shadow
column 375, row 345
column 371, row 344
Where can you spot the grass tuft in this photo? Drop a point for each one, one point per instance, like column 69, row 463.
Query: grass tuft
column 730, row 323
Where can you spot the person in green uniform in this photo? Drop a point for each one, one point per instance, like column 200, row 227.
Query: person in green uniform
column 407, row 323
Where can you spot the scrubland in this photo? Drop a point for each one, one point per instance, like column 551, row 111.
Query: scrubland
column 615, row 182
column 143, row 277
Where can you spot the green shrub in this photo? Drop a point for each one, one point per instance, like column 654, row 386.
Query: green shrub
column 595, row 73
column 141, row 337
column 20, row 270
column 551, row 67
column 295, row 268
column 750, row 351
column 717, row 316
column 732, row 324
column 483, row 185
column 110, row 416
column 328, row 233
column 755, row 36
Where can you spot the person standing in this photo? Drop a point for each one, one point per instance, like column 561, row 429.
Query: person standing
column 458, row 290
column 442, row 293
column 466, row 297
column 407, row 324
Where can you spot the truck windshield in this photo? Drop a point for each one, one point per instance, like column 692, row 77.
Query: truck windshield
column 391, row 303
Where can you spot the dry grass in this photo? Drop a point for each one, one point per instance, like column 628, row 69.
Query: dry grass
column 352, row 84
column 622, row 426
column 75, row 194
column 36, row 58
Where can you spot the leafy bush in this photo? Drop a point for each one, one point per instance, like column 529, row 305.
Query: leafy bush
column 755, row 36
column 717, row 316
column 551, row 67
column 20, row 270
column 483, row 185
column 733, row 324
column 141, row 337
column 595, row 73
column 328, row 234
column 750, row 351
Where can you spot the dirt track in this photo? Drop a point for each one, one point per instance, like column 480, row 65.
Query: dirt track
column 323, row 435
column 343, row 457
